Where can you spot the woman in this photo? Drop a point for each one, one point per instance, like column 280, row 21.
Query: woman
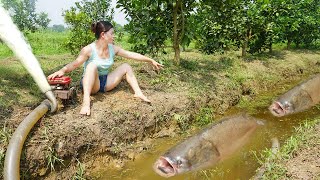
column 98, row 57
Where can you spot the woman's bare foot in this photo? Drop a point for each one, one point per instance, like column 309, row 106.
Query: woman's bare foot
column 85, row 110
column 142, row 97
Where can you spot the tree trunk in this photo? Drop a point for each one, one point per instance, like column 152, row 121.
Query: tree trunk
column 245, row 43
column 289, row 43
column 244, row 49
column 175, row 33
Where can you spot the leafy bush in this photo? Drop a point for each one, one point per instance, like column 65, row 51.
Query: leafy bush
column 80, row 17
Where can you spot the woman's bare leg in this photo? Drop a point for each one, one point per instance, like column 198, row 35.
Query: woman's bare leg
column 91, row 85
column 115, row 77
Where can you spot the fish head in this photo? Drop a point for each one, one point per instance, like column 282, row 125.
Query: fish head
column 167, row 166
column 281, row 108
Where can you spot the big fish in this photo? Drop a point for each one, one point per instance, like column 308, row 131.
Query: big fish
column 299, row 98
column 211, row 145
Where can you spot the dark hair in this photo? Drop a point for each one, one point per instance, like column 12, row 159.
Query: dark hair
column 99, row 27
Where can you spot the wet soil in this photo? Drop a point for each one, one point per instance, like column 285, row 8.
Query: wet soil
column 121, row 126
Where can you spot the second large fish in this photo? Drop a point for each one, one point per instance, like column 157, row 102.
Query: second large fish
column 211, row 145
column 299, row 98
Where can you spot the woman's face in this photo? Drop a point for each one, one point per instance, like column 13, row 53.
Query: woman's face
column 109, row 36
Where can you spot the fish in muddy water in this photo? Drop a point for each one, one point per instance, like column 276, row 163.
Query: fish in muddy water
column 211, row 145
column 299, row 98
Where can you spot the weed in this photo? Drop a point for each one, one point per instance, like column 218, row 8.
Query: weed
column 216, row 173
column 5, row 135
column 2, row 156
column 182, row 121
column 52, row 158
column 80, row 171
column 204, row 116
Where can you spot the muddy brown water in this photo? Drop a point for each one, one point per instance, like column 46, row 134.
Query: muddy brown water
column 241, row 165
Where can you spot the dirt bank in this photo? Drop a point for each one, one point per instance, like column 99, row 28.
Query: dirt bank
column 118, row 120
column 305, row 163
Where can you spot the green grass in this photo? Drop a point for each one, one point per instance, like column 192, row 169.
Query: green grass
column 42, row 43
column 51, row 154
column 48, row 42
column 5, row 51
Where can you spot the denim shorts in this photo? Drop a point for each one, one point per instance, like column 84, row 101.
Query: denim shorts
column 103, row 83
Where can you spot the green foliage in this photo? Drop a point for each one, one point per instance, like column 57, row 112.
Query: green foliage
column 299, row 22
column 221, row 25
column 44, row 42
column 149, row 27
column 51, row 155
column 190, row 65
column 23, row 13
column 80, row 18
column 152, row 23
column 257, row 25
column 43, row 20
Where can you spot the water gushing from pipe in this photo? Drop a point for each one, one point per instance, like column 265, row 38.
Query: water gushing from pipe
column 15, row 40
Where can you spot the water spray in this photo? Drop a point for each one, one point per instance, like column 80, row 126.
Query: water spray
column 15, row 40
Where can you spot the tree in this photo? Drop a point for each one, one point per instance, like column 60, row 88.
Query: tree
column 80, row 18
column 24, row 15
column 43, row 20
column 58, row 28
column 299, row 22
column 154, row 22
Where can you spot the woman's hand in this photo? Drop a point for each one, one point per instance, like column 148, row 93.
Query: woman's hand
column 156, row 65
column 56, row 74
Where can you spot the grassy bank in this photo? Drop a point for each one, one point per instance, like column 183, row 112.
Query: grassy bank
column 281, row 164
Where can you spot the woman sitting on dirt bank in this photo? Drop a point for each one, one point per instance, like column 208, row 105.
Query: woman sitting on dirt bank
column 98, row 57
